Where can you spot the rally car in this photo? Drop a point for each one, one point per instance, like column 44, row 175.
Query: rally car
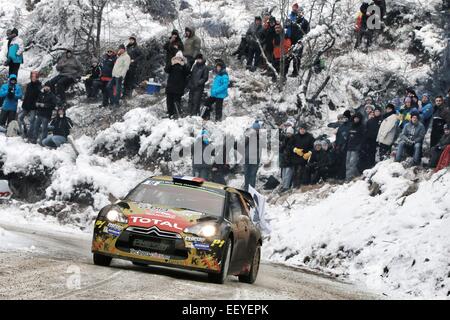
column 182, row 222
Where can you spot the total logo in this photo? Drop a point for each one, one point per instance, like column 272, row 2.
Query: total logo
column 147, row 222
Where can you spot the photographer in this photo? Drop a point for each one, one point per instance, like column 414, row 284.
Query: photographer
column 11, row 92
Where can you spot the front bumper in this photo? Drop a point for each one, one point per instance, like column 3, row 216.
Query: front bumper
column 158, row 247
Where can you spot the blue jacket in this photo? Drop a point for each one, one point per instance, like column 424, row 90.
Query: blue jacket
column 15, row 50
column 10, row 104
column 219, row 88
column 427, row 112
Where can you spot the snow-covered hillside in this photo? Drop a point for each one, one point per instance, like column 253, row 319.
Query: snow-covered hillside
column 388, row 230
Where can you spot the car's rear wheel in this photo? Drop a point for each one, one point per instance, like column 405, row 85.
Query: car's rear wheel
column 226, row 258
column 253, row 274
column 101, row 260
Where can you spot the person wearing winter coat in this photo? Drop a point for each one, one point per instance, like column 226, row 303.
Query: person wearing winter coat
column 178, row 71
column 426, row 110
column 173, row 46
column 439, row 148
column 32, row 92
column 92, row 80
column 118, row 75
column 192, row 45
column 106, row 70
column 301, row 152
column 361, row 27
column 369, row 150
column 136, row 56
column 11, row 92
column 219, row 91
column 70, row 70
column 196, row 84
column 255, row 34
column 340, row 145
column 252, row 155
column 269, row 37
column 14, row 54
column 405, row 112
column 441, row 116
column 46, row 103
column 387, row 132
column 201, row 165
column 318, row 165
column 411, row 139
column 61, row 126
column 354, row 145
column 286, row 155
column 281, row 48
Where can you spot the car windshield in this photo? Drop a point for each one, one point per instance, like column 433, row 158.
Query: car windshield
column 162, row 193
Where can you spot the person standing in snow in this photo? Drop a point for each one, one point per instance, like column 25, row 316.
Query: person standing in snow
column 411, row 139
column 219, row 91
column 441, row 116
column 196, row 85
column 118, row 74
column 252, row 155
column 387, row 132
column 286, row 155
column 70, row 70
column 45, row 105
column 255, row 37
column 369, row 150
column 136, row 56
column 201, row 167
column 192, row 45
column 269, row 37
column 361, row 27
column 176, row 84
column 340, row 145
column 32, row 92
column 11, row 92
column 354, row 145
column 173, row 46
column 92, row 79
column 301, row 152
column 14, row 55
column 439, row 148
column 106, row 67
column 281, row 47
column 426, row 110
column 61, row 126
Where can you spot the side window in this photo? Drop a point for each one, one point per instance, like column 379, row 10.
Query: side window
column 234, row 207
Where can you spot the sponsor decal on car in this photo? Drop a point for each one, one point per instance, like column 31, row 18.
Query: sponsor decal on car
column 160, row 214
column 201, row 246
column 176, row 225
column 194, row 239
column 149, row 254
column 113, row 229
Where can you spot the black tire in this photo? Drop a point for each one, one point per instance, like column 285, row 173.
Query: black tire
column 220, row 278
column 253, row 274
column 101, row 260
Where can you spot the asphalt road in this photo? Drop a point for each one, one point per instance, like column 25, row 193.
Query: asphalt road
column 60, row 266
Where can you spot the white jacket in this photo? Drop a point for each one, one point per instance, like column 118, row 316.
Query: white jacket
column 121, row 66
column 388, row 128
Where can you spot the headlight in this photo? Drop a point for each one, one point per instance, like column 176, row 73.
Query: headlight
column 203, row 230
column 116, row 216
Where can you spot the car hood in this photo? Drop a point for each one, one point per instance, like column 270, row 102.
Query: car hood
column 164, row 218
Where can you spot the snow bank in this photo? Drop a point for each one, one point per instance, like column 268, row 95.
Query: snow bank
column 387, row 231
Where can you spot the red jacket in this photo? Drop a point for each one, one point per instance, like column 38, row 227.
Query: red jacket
column 277, row 48
column 444, row 161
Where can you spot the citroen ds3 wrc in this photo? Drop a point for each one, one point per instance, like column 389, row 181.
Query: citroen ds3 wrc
column 182, row 222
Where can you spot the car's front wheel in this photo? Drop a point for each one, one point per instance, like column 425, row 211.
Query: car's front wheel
column 226, row 258
column 253, row 274
column 101, row 260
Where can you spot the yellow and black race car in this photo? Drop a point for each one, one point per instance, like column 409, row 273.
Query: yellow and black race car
column 182, row 222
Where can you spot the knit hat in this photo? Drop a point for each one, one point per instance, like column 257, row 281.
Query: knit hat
column 272, row 20
column 15, row 31
column 199, row 56
column 295, row 6
column 348, row 114
column 325, row 143
column 378, row 109
column 133, row 36
column 258, row 18
column 256, row 125
column 390, row 106
column 290, row 130
column 175, row 32
column 122, row 46
column 415, row 114
column 317, row 143
column 302, row 126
